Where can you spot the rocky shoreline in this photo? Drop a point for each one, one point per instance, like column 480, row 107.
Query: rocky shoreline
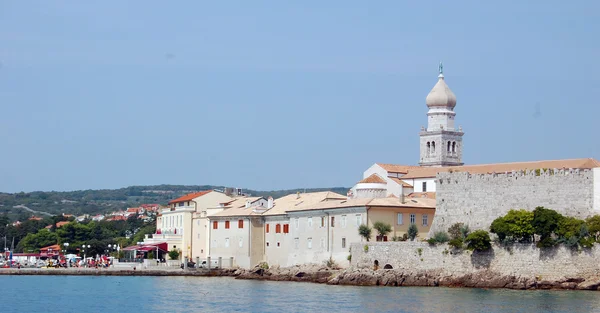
column 352, row 277
column 382, row 277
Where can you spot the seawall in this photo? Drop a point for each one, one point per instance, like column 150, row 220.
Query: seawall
column 521, row 266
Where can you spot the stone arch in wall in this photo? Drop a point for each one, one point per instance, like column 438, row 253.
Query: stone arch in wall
column 388, row 267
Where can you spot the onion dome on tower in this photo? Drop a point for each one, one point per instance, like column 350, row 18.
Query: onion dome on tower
column 441, row 96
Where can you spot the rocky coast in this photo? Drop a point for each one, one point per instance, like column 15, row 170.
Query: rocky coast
column 322, row 274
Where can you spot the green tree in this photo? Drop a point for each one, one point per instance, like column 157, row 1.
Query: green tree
column 412, row 231
column 382, row 229
column 569, row 230
column 174, row 254
column 365, row 231
column 500, row 228
column 478, row 240
column 520, row 225
column 593, row 225
column 545, row 221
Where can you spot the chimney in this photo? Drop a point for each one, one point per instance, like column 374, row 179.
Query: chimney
column 298, row 195
column 402, row 197
column 248, row 203
column 270, row 202
column 239, row 191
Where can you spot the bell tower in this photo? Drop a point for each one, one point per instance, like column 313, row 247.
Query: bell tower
column 441, row 142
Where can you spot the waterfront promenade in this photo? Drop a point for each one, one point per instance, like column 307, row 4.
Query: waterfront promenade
column 118, row 271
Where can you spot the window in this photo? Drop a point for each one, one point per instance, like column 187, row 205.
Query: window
column 309, row 243
column 424, row 186
column 278, row 228
column 241, row 242
column 425, row 220
column 428, row 148
column 267, row 243
column 449, row 144
column 226, row 242
column 215, row 224
column 333, row 221
column 358, row 220
column 226, row 224
column 309, row 222
column 400, row 219
column 322, row 221
column 198, row 222
column 198, row 236
column 454, row 147
column 433, row 147
column 296, row 223
column 412, row 218
column 343, row 221
column 240, row 224
column 286, row 228
column 322, row 242
column 181, row 203
column 267, row 230
column 296, row 243
column 343, row 243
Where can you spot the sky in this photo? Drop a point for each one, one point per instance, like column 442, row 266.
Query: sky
column 284, row 94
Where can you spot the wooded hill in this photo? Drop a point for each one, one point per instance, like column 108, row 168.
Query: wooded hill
column 20, row 206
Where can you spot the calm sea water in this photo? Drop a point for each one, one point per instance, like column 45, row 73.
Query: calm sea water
column 201, row 294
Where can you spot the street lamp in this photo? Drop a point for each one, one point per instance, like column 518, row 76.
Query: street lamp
column 66, row 244
column 84, row 253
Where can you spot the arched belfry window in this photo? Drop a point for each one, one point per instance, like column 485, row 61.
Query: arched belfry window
column 428, row 148
column 454, row 147
column 449, row 144
column 433, row 147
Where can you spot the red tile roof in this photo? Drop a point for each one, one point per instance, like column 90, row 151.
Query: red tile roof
column 425, row 172
column 395, row 168
column 190, row 196
column 373, row 179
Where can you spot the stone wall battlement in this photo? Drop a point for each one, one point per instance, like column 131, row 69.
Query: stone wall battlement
column 478, row 199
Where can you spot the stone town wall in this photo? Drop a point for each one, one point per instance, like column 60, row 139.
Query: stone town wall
column 521, row 260
column 478, row 199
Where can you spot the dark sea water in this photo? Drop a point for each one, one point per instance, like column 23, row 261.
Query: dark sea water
column 201, row 294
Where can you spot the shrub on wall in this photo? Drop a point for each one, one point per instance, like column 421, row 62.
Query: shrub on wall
column 438, row 237
column 456, row 243
column 478, row 240
column 455, row 231
column 412, row 231
column 593, row 224
column 516, row 225
column 382, row 229
column 365, row 231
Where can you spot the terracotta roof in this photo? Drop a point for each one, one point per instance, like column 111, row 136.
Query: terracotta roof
column 237, row 207
column 400, row 182
column 368, row 202
column 373, row 179
column 430, row 195
column 190, row 196
column 425, row 172
column 286, row 203
column 408, row 203
column 395, row 168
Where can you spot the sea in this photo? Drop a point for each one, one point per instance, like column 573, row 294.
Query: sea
column 224, row 294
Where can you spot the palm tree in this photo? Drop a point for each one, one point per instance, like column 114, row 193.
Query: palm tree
column 365, row 231
column 383, row 229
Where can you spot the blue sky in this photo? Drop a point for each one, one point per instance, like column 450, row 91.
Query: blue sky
column 282, row 94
